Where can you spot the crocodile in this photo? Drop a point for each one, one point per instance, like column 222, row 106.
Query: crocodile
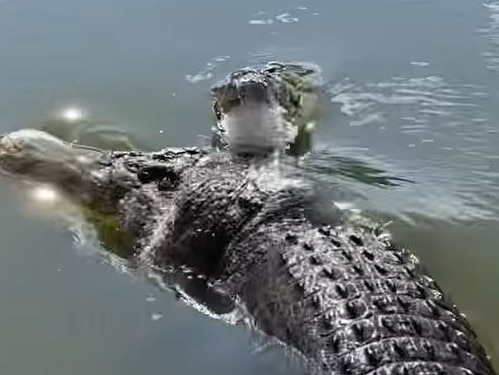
column 343, row 296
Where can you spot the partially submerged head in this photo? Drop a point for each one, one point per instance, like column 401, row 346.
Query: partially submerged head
column 57, row 176
column 269, row 107
column 35, row 156
column 248, row 113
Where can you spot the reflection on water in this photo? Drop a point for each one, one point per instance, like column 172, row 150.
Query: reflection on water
column 72, row 114
column 74, row 125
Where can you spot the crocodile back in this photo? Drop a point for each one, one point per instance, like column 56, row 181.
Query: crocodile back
column 348, row 299
column 211, row 204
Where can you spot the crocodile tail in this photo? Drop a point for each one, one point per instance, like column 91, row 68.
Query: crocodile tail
column 349, row 301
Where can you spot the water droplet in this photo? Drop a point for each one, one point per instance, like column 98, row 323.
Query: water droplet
column 286, row 18
column 156, row 316
column 261, row 22
column 420, row 63
column 194, row 78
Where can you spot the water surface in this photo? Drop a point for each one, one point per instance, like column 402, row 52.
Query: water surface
column 413, row 88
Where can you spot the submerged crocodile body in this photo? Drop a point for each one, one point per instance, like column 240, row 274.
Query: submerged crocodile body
column 343, row 295
column 347, row 298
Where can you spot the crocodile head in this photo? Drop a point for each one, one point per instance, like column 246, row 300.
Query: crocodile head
column 272, row 107
column 38, row 157
column 65, row 179
column 249, row 116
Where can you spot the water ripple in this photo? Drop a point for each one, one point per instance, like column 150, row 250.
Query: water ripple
column 207, row 72
column 414, row 102
column 439, row 135
column 491, row 33
column 263, row 18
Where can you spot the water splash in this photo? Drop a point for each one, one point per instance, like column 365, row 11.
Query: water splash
column 45, row 195
column 207, row 72
column 263, row 18
column 286, row 18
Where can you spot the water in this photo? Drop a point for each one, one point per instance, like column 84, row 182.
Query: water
column 414, row 90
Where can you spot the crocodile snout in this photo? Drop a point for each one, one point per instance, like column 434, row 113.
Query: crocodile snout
column 35, row 156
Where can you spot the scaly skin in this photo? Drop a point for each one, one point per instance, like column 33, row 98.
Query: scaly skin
column 346, row 298
column 343, row 296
